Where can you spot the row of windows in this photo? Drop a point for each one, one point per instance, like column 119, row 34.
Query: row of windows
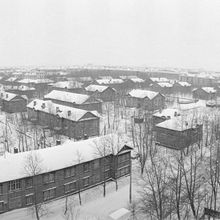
column 68, row 172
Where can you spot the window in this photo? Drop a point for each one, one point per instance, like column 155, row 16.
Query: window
column 68, row 172
column 123, row 157
column 1, row 189
column 85, row 167
column 29, row 182
column 49, row 194
column 107, row 174
column 70, row 187
column 123, row 171
column 95, row 164
column 14, row 185
column 48, row 178
column 96, row 178
column 86, row 181
column 1, row 206
column 29, row 199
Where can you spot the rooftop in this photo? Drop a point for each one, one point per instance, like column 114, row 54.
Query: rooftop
column 67, row 96
column 70, row 113
column 72, row 153
column 140, row 93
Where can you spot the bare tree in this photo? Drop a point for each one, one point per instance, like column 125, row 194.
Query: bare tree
column 155, row 194
column 142, row 137
column 33, row 166
column 71, row 212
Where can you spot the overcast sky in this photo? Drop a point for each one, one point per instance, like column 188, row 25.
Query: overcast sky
column 178, row 33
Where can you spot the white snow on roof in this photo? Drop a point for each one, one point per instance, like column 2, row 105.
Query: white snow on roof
column 186, row 84
column 35, row 81
column 67, row 96
column 140, row 93
column 181, row 123
column 165, row 84
column 167, row 112
column 53, row 158
column 15, row 87
column 109, row 81
column 67, row 84
column 93, row 88
column 137, row 80
column 156, row 79
column 119, row 214
column 209, row 89
column 70, row 113
column 7, row 96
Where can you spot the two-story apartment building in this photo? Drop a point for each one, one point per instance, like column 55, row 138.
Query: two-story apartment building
column 72, row 122
column 178, row 132
column 62, row 170
column 145, row 99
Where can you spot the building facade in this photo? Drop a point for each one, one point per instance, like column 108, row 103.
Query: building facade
column 72, row 122
column 21, row 190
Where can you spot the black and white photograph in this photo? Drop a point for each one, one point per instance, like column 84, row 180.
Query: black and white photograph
column 109, row 109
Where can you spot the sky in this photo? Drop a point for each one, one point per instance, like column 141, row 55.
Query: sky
column 162, row 33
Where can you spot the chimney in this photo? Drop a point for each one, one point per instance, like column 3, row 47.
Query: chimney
column 35, row 103
column 6, row 96
column 57, row 109
column 43, row 105
column 69, row 113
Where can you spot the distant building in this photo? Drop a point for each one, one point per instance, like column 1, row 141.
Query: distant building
column 13, row 103
column 162, row 87
column 72, row 122
column 69, row 86
column 183, row 87
column 145, row 99
column 205, row 93
column 76, row 100
column 105, row 93
column 66, row 170
column 178, row 133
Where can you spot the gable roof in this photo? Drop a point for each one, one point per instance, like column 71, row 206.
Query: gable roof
column 140, row 93
column 184, row 84
column 8, row 96
column 109, row 81
column 209, row 89
column 70, row 113
column 67, row 84
column 94, row 88
column 67, row 96
column 70, row 150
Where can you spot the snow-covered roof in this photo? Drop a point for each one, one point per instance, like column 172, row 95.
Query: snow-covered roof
column 8, row 96
column 70, row 113
column 181, row 123
column 184, row 84
column 67, row 84
column 209, row 89
column 109, row 81
column 156, row 79
column 21, row 87
column 165, row 84
column 168, row 112
column 93, row 88
column 36, row 81
column 67, row 96
column 137, row 80
column 68, row 154
column 140, row 93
